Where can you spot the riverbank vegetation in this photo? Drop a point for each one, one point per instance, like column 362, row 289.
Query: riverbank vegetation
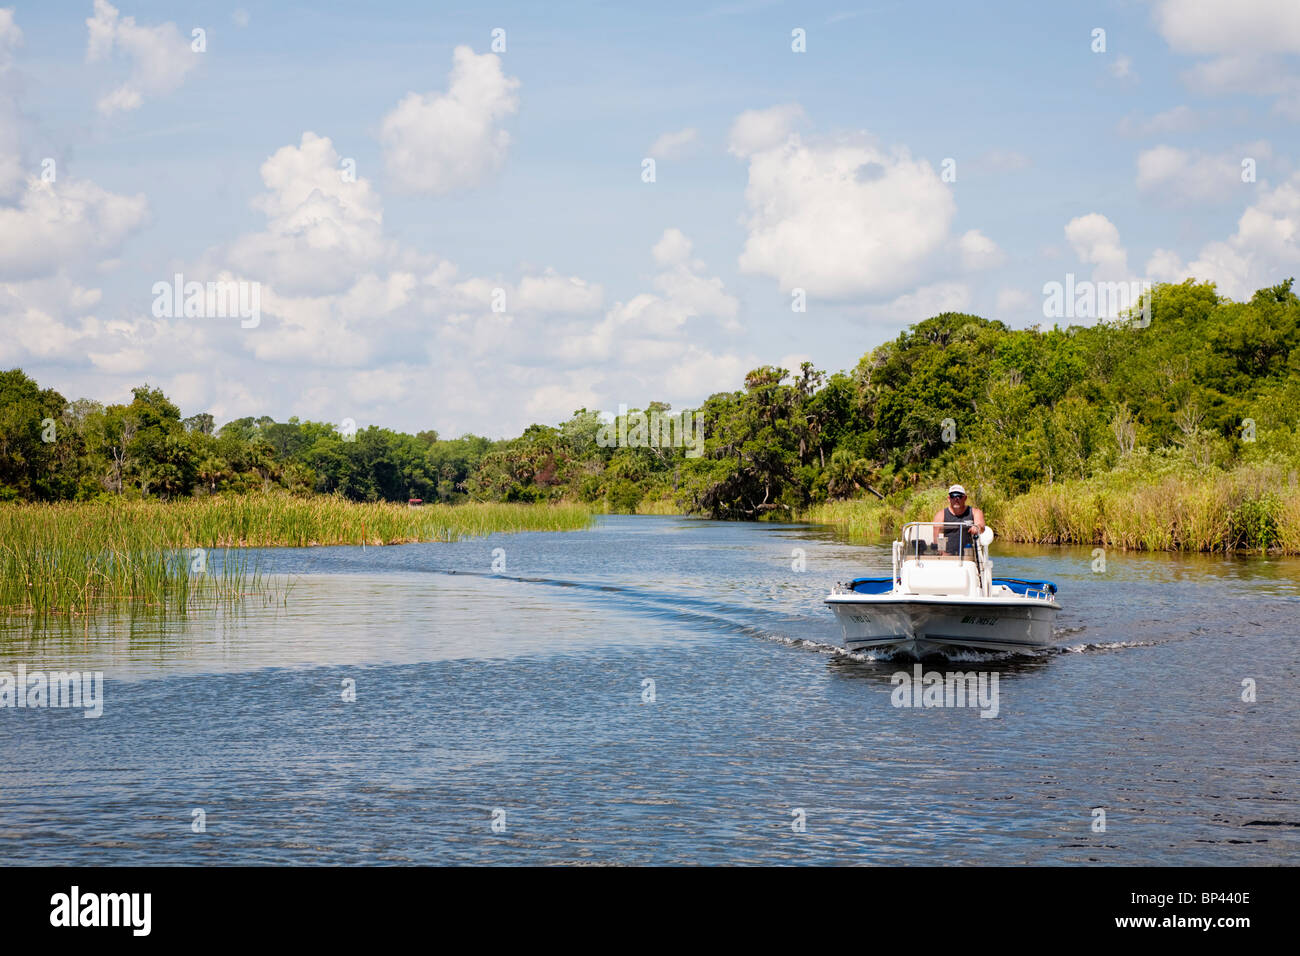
column 1251, row 508
column 1177, row 433
column 72, row 559
column 69, row 557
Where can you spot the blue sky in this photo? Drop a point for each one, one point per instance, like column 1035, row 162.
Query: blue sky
column 820, row 170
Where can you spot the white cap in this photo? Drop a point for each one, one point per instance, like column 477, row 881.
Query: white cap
column 956, row 490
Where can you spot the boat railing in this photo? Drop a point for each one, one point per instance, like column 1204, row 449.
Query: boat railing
column 919, row 537
column 929, row 541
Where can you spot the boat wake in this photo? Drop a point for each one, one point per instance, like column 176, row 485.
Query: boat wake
column 885, row 656
column 1089, row 646
column 764, row 623
column 781, row 628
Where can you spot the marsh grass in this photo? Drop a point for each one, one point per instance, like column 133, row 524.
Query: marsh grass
column 873, row 517
column 68, row 558
column 1251, row 509
column 860, row 518
column 51, row 563
column 659, row 506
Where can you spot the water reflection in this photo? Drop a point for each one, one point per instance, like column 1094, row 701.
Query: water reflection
column 882, row 670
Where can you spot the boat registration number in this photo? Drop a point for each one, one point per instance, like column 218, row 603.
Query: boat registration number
column 972, row 619
column 860, row 618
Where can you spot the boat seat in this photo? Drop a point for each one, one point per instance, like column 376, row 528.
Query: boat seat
column 931, row 576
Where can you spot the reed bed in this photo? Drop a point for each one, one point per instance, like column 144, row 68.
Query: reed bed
column 874, row 517
column 1250, row 509
column 52, row 564
column 860, row 518
column 67, row 557
column 659, row 506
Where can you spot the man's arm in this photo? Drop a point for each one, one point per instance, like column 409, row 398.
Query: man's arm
column 977, row 527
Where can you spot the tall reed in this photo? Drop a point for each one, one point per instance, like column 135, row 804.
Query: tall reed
column 1249, row 509
column 67, row 557
column 53, row 561
column 1252, row 508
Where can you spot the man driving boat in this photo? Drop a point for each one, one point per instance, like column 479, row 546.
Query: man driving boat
column 958, row 512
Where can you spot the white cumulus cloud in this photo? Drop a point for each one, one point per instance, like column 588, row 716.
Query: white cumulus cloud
column 682, row 293
column 12, row 174
column 321, row 230
column 1095, row 240
column 672, row 248
column 438, row 142
column 1264, row 249
column 160, row 57
column 922, row 303
column 57, row 224
column 979, row 252
column 757, row 130
column 555, row 293
column 1178, row 176
column 10, row 35
column 1249, row 42
column 674, row 144
column 1229, row 26
column 843, row 220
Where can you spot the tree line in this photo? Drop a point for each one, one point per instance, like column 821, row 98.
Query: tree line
column 1209, row 382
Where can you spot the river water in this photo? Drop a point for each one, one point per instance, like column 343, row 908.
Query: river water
column 660, row 690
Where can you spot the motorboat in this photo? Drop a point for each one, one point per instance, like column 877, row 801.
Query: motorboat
column 943, row 598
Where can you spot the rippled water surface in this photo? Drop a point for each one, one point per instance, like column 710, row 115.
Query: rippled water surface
column 523, row 695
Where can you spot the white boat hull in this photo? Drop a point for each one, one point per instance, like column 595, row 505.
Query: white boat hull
column 920, row 626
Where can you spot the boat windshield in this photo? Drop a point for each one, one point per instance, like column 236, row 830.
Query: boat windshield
column 926, row 537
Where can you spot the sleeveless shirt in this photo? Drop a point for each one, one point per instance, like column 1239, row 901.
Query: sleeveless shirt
column 958, row 538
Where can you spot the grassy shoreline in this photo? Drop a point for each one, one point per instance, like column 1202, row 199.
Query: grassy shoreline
column 1251, row 509
column 69, row 558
